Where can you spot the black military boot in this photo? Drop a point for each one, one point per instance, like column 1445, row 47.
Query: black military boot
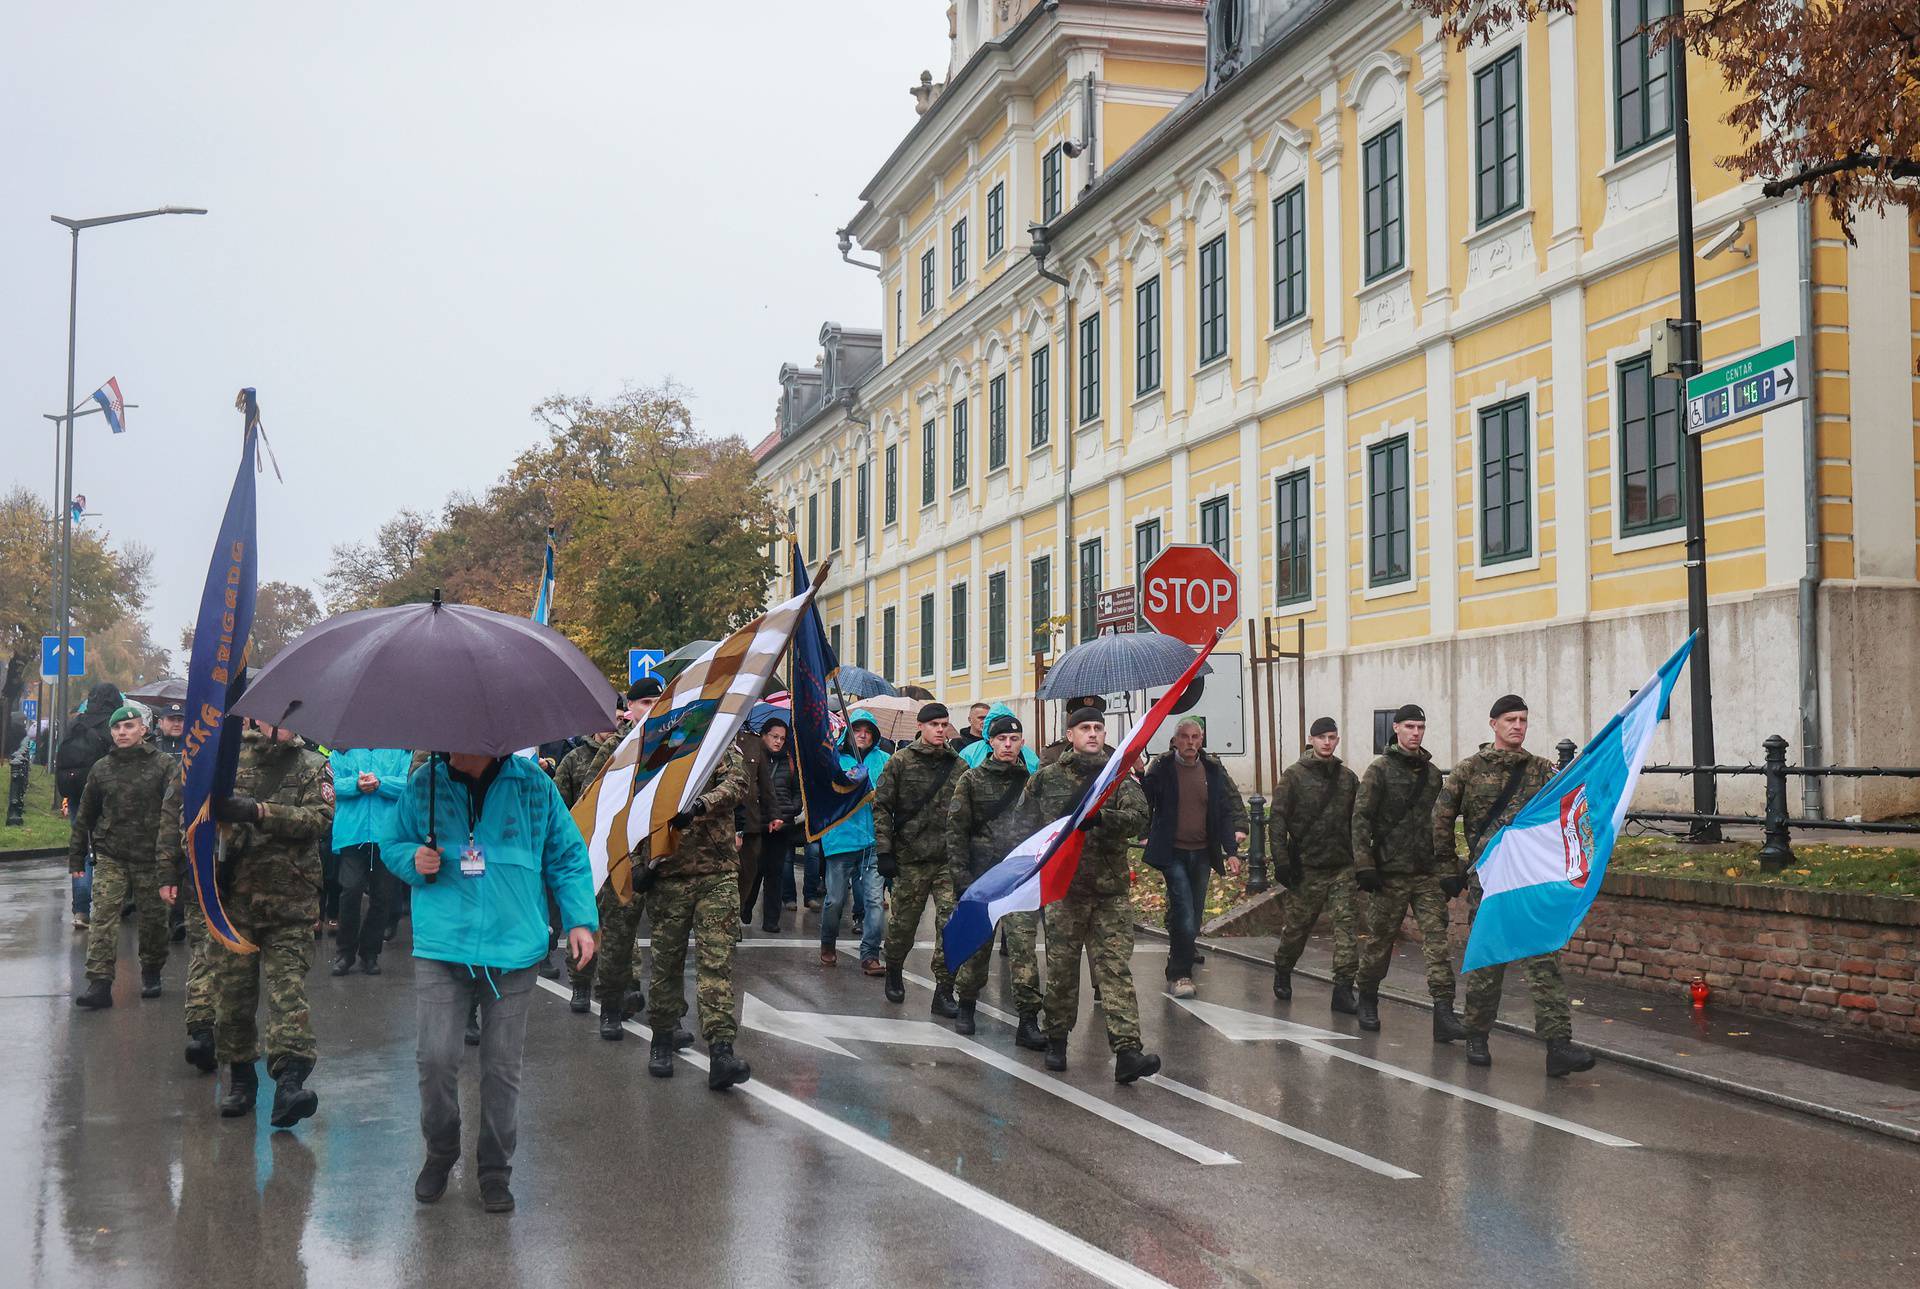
column 634, row 1003
column 200, row 1049
column 1130, row 1063
column 1446, row 1026
column 549, row 967
column 943, row 1003
column 243, row 1084
column 1030, row 1035
column 1477, row 1053
column 1283, row 984
column 1369, row 1011
column 896, row 987
column 682, row 1040
column 724, row 1069
column 611, row 1028
column 582, row 1001
column 1345, row 1000
column 660, row 1056
column 1057, row 1053
column 97, row 994
column 370, row 965
column 963, row 1022
column 1564, row 1057
column 293, row 1100
column 342, row 964
column 149, row 982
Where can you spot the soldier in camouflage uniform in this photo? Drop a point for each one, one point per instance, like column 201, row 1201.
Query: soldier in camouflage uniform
column 1393, row 862
column 202, row 952
column 1095, row 913
column 910, row 837
column 1313, row 845
column 576, row 773
column 1484, row 793
column 985, row 821
column 119, row 811
column 279, row 816
column 694, row 891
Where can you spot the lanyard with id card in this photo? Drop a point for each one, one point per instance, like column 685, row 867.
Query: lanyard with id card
column 473, row 860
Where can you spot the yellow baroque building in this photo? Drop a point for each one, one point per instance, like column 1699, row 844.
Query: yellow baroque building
column 1374, row 317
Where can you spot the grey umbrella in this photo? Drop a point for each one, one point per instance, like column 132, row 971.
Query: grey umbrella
column 1119, row 663
column 857, row 683
column 167, row 689
column 439, row 677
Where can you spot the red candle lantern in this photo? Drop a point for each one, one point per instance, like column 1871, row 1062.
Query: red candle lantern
column 1698, row 991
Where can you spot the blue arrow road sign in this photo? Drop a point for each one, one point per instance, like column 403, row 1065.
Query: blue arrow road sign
column 50, row 656
column 644, row 662
column 30, row 710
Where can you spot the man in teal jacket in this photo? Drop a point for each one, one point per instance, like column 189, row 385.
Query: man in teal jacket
column 851, row 860
column 367, row 783
column 482, row 840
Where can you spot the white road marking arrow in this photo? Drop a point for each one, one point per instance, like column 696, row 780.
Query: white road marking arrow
column 1252, row 1027
column 815, row 1029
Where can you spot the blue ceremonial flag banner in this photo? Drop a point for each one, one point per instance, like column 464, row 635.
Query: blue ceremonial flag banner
column 1539, row 874
column 828, row 793
column 543, row 606
column 216, row 677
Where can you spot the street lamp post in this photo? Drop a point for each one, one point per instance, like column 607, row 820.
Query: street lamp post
column 63, row 625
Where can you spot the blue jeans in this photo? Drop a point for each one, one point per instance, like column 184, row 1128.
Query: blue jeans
column 1187, row 876
column 814, row 884
column 854, row 868
column 83, row 890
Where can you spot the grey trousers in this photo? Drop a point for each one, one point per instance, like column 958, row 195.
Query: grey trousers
column 442, row 994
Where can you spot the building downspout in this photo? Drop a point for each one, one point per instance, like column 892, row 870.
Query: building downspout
column 1809, row 660
column 1065, row 384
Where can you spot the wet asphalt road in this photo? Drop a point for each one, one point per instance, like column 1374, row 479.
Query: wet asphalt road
column 875, row 1148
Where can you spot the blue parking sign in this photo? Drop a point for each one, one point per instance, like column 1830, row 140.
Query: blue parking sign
column 30, row 710
column 50, row 656
column 643, row 662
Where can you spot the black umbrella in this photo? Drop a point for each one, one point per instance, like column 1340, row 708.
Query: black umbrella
column 440, row 677
column 681, row 659
column 857, row 683
column 1120, row 663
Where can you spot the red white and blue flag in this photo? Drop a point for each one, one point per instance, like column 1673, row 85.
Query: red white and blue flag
column 108, row 396
column 1038, row 871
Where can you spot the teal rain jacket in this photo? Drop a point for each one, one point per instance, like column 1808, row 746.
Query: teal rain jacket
column 366, row 816
column 980, row 749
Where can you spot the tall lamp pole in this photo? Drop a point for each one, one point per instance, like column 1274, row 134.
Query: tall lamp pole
column 63, row 626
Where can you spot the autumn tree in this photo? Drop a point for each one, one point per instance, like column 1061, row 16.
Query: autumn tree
column 1827, row 91
column 282, row 611
column 359, row 571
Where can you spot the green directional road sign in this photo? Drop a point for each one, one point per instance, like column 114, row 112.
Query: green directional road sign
column 1757, row 383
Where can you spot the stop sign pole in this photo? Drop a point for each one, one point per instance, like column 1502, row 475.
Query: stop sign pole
column 1190, row 593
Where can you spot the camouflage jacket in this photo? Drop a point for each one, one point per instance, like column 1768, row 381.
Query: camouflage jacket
column 706, row 845
column 1105, row 864
column 1392, row 810
column 1313, row 813
column 1475, row 784
column 120, row 806
column 909, row 812
column 571, row 778
column 979, row 835
column 276, row 861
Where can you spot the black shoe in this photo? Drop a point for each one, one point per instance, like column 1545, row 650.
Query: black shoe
column 682, row 1040
column 1564, row 1057
column 200, row 1049
column 1283, row 984
column 178, row 934
column 431, row 1184
column 944, row 1004
column 610, row 1026
column 1446, row 1026
column 243, row 1084
column 1477, row 1053
column 494, row 1195
column 1345, row 1000
column 1369, row 1011
column 1057, row 1054
column 1199, row 959
column 1030, row 1035
column 149, row 982
column 634, row 1003
column 724, row 1069
column 370, row 966
column 660, row 1056
column 390, row 932
column 549, row 970
column 582, row 1001
column 293, row 1100
column 770, row 930
column 963, row 1022
column 342, row 964
column 97, row 995
column 473, row 1024
column 1130, row 1063
column 896, row 987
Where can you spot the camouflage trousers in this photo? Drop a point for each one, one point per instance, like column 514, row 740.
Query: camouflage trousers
column 611, row 970
column 1103, row 925
column 1552, row 1010
column 285, row 954
column 706, row 908
column 1331, row 889
column 1398, row 892
column 202, row 963
column 913, row 886
column 114, row 883
column 1023, row 964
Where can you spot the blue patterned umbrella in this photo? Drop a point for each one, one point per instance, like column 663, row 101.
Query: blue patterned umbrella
column 858, row 683
column 1120, row 663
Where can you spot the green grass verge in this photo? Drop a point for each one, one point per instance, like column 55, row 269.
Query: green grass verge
column 44, row 825
column 1874, row 870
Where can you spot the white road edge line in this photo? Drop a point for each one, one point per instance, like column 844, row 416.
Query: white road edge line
column 1069, row 1248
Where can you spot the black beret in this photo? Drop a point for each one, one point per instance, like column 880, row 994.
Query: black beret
column 1086, row 715
column 1005, row 723
column 932, row 712
column 1409, row 712
column 646, row 687
column 1325, row 725
column 1506, row 703
column 1087, row 700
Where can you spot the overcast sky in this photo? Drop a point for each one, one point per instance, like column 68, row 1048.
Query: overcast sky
column 425, row 217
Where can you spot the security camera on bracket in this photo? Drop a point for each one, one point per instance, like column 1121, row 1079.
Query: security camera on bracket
column 1073, row 147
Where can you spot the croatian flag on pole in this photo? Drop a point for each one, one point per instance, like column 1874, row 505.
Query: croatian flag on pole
column 108, row 396
column 1539, row 874
column 1038, row 871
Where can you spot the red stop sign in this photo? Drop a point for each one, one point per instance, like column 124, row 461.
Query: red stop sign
column 1189, row 593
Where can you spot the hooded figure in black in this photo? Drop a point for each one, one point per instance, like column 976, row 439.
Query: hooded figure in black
column 85, row 741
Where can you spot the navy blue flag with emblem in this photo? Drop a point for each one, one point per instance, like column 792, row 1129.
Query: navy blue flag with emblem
column 216, row 677
column 829, row 793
